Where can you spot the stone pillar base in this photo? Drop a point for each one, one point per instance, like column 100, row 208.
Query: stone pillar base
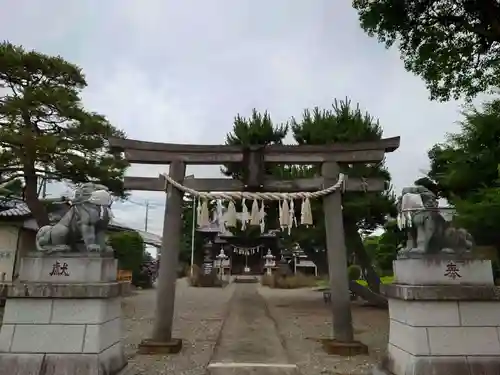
column 150, row 347
column 62, row 329
column 450, row 327
column 345, row 349
column 422, row 365
column 108, row 362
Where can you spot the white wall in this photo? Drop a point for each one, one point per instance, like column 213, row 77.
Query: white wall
column 8, row 245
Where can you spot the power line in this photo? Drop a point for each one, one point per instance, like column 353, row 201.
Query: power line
column 145, row 203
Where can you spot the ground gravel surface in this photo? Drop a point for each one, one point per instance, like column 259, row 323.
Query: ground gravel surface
column 199, row 313
column 303, row 320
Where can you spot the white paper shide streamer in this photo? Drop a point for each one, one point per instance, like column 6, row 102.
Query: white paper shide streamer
column 246, row 250
column 288, row 206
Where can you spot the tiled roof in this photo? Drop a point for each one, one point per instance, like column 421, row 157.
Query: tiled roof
column 21, row 209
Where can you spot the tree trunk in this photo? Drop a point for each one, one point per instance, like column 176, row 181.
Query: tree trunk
column 364, row 259
column 374, row 299
column 37, row 208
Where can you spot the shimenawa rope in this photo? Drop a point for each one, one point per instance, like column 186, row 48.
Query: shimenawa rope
column 257, row 216
column 269, row 196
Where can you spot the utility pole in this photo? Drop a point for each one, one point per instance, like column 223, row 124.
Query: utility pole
column 44, row 188
column 146, row 218
column 193, row 230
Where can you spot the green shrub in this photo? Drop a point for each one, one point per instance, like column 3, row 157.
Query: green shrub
column 142, row 279
column 129, row 250
column 383, row 280
column 289, row 282
column 354, row 272
column 267, row 280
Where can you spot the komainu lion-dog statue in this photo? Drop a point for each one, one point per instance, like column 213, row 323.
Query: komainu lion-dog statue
column 428, row 232
column 86, row 220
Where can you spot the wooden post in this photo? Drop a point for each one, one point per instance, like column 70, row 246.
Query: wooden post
column 171, row 241
column 337, row 257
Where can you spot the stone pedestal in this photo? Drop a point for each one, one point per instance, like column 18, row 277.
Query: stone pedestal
column 63, row 317
column 444, row 318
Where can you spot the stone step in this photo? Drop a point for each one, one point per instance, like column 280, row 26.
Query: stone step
column 246, row 279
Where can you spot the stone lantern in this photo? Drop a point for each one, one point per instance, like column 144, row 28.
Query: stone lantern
column 270, row 263
column 221, row 258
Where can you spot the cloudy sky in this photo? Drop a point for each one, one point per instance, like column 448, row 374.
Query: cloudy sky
column 179, row 71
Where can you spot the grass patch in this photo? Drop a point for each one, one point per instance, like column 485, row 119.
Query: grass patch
column 323, row 283
column 289, row 282
column 383, row 280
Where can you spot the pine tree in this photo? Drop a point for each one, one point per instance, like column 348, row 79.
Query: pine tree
column 45, row 130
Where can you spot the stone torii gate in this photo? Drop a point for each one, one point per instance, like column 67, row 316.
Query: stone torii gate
column 253, row 159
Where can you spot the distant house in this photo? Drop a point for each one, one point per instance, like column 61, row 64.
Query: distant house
column 18, row 229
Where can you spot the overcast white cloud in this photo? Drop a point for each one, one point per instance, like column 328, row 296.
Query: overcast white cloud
column 179, row 71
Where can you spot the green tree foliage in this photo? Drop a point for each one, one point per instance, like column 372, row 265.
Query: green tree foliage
column 258, row 129
column 10, row 192
column 131, row 253
column 469, row 159
column 187, row 233
column 451, row 44
column 383, row 249
column 187, row 228
column 129, row 249
column 465, row 170
column 354, row 272
column 361, row 211
column 371, row 246
column 13, row 188
column 44, row 129
column 480, row 214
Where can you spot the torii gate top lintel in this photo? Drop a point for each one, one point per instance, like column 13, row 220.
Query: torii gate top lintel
column 254, row 158
column 145, row 152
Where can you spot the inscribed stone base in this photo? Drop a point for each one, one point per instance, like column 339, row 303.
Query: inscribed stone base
column 401, row 363
column 68, row 268
column 443, row 329
column 69, row 328
column 440, row 270
column 109, row 362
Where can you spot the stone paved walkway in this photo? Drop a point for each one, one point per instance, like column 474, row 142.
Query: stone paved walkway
column 249, row 342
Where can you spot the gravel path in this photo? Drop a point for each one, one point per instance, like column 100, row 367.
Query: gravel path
column 303, row 320
column 199, row 314
column 298, row 317
column 249, row 341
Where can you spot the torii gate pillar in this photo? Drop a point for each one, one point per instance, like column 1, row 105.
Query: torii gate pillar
column 162, row 341
column 343, row 342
